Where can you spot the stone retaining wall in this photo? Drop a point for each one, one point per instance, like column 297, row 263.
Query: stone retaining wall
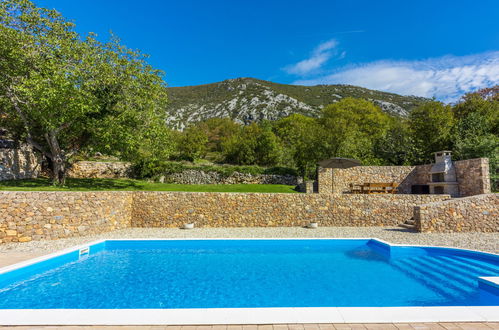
column 478, row 213
column 21, row 163
column 102, row 170
column 26, row 216
column 173, row 209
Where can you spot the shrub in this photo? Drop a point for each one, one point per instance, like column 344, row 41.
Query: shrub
column 153, row 169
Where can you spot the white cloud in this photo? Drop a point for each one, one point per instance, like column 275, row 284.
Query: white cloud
column 445, row 78
column 320, row 55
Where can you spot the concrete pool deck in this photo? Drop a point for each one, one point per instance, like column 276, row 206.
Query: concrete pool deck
column 310, row 326
column 12, row 253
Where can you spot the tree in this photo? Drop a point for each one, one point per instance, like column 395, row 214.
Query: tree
column 192, row 144
column 397, row 146
column 217, row 130
column 484, row 102
column 63, row 94
column 301, row 140
column 351, row 128
column 476, row 131
column 253, row 145
column 430, row 125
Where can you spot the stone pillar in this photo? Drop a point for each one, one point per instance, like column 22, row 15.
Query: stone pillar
column 309, row 187
column 325, row 180
column 473, row 176
column 485, row 175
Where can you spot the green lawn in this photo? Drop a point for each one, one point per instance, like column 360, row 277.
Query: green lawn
column 43, row 184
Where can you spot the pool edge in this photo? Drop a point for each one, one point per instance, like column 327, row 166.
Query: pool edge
column 249, row 315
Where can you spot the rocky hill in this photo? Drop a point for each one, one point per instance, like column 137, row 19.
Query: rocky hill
column 248, row 99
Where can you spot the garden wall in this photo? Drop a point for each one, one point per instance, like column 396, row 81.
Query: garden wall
column 102, row 170
column 32, row 215
column 478, row 213
column 19, row 163
column 26, row 216
column 114, row 170
column 209, row 177
column 173, row 209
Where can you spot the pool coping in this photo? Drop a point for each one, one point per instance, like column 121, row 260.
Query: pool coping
column 211, row 316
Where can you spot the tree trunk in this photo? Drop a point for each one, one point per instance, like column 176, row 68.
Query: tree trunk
column 58, row 160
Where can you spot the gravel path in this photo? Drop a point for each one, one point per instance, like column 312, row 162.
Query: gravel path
column 487, row 242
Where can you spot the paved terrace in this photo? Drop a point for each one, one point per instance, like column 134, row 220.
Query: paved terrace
column 382, row 326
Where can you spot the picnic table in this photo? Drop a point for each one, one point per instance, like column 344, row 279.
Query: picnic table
column 374, row 188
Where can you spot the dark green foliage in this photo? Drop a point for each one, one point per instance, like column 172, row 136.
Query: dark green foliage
column 300, row 136
column 254, row 144
column 191, row 144
column 217, row 130
column 476, row 131
column 154, row 169
column 351, row 129
column 396, row 147
column 430, row 127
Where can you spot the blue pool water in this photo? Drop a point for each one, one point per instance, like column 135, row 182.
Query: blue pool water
column 252, row 273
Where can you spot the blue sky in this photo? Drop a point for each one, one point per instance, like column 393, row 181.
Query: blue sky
column 426, row 47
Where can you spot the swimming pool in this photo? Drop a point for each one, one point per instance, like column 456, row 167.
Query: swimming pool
column 251, row 273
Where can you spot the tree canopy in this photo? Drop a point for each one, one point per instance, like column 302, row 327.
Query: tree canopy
column 63, row 93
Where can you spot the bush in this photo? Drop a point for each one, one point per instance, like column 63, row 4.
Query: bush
column 153, row 169
column 147, row 169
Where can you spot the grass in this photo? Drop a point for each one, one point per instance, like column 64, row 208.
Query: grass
column 43, row 184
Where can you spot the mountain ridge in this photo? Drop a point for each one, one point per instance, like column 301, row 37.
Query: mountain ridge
column 249, row 99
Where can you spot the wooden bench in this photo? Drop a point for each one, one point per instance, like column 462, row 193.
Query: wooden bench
column 374, row 188
column 356, row 188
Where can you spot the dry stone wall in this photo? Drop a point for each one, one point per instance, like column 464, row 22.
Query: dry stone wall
column 211, row 177
column 324, row 180
column 102, row 170
column 173, row 209
column 26, row 216
column 478, row 213
column 114, row 170
column 20, row 163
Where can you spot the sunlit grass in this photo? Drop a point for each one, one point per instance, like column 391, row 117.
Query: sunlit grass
column 44, row 184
